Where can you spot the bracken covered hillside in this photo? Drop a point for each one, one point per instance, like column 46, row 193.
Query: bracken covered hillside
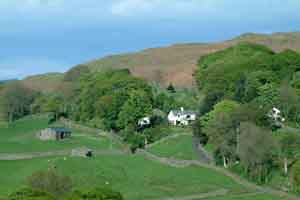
column 173, row 64
column 176, row 64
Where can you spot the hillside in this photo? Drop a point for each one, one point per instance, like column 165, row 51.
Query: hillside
column 176, row 64
column 172, row 64
column 45, row 82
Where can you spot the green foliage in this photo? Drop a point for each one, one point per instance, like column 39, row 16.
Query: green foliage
column 256, row 148
column 258, row 79
column 222, row 70
column 296, row 176
column 50, row 182
column 225, row 107
column 50, row 103
column 136, row 107
column 212, row 98
column 290, row 144
column 95, row 194
column 108, row 108
column 15, row 101
column 117, row 85
column 219, row 128
column 289, row 102
column 165, row 102
column 247, row 72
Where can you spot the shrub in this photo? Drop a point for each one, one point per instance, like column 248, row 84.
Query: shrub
column 95, row 194
column 50, row 182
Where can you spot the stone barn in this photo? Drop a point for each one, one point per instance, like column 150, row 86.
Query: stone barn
column 55, row 133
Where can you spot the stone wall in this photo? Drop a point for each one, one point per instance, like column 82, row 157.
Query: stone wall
column 47, row 134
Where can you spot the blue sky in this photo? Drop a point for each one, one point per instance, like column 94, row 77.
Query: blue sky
column 39, row 36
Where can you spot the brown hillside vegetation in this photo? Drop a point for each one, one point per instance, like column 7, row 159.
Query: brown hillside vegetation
column 45, row 82
column 175, row 64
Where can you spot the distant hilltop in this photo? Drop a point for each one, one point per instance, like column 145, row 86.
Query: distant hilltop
column 6, row 81
column 172, row 64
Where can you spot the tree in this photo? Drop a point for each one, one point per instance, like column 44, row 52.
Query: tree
column 165, row 102
column 136, row 107
column 289, row 102
column 50, row 182
column 15, row 101
column 256, row 150
column 221, row 130
column 296, row 176
column 108, row 108
column 268, row 95
column 50, row 103
column 209, row 101
column 289, row 148
column 223, row 71
column 118, row 83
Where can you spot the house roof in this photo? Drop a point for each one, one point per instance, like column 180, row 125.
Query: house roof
column 60, row 129
column 184, row 112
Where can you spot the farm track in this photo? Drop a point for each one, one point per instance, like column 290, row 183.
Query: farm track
column 218, row 193
column 202, row 155
column 28, row 156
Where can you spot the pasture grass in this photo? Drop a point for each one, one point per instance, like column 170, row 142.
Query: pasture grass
column 134, row 176
column 179, row 148
column 20, row 137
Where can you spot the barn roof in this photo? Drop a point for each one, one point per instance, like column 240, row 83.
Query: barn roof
column 60, row 129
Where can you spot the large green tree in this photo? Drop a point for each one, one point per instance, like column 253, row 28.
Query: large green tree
column 289, row 148
column 15, row 101
column 136, row 107
column 256, row 149
column 221, row 129
column 117, row 85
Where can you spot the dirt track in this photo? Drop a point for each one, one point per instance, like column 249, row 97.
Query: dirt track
column 27, row 156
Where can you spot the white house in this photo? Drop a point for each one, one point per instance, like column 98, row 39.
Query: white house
column 181, row 117
column 275, row 114
column 146, row 121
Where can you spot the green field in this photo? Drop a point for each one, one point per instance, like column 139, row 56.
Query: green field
column 134, row 176
column 179, row 147
column 20, row 137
